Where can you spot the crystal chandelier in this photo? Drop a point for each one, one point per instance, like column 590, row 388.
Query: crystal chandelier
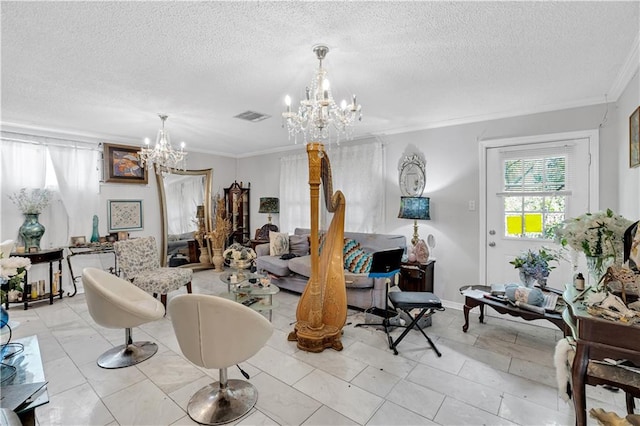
column 318, row 113
column 162, row 154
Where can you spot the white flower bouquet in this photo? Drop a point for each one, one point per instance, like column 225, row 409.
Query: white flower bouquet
column 12, row 270
column 237, row 252
column 32, row 201
column 595, row 234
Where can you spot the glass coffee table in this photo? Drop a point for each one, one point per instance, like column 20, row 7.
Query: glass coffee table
column 250, row 289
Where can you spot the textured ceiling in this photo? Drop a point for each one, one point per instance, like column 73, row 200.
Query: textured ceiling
column 105, row 69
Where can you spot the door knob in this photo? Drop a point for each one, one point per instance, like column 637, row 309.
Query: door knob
column 492, row 244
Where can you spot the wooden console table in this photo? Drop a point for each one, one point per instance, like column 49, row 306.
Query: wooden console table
column 471, row 302
column 596, row 339
column 43, row 256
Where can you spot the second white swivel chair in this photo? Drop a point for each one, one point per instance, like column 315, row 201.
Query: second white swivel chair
column 116, row 303
column 218, row 333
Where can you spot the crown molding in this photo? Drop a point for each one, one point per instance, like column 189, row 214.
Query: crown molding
column 628, row 70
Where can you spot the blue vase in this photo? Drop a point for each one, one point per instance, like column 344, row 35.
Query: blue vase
column 4, row 317
column 31, row 231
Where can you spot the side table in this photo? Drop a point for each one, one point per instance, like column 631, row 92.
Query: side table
column 49, row 256
column 87, row 250
column 415, row 276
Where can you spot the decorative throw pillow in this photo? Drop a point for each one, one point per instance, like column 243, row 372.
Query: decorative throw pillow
column 278, row 243
column 518, row 293
column 356, row 260
column 299, row 245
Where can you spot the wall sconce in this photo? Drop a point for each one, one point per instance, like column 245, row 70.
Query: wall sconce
column 416, row 208
column 269, row 205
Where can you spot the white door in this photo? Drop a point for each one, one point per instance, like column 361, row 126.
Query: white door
column 532, row 184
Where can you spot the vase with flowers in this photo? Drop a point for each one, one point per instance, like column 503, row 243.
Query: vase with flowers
column 600, row 236
column 239, row 256
column 219, row 235
column 12, row 272
column 31, row 203
column 534, row 266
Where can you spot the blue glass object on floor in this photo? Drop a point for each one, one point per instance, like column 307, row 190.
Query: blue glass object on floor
column 4, row 317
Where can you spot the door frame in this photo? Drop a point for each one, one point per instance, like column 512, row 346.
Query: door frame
column 594, row 173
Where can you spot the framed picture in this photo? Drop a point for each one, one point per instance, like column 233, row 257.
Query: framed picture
column 124, row 215
column 122, row 165
column 634, row 139
column 78, row 241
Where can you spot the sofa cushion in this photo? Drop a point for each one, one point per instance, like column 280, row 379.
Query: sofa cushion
column 355, row 258
column 299, row 245
column 302, row 266
column 274, row 265
column 278, row 243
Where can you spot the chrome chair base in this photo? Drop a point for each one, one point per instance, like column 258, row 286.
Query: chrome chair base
column 127, row 355
column 213, row 405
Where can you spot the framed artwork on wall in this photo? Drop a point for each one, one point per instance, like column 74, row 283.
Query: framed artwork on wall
column 634, row 139
column 124, row 215
column 122, row 164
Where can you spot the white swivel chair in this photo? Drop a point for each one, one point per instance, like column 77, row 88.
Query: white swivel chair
column 214, row 332
column 116, row 303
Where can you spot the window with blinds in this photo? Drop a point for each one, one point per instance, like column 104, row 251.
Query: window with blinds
column 535, row 191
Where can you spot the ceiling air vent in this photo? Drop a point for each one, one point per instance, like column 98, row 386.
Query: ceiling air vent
column 252, row 116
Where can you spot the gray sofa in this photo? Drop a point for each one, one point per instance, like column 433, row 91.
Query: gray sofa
column 362, row 292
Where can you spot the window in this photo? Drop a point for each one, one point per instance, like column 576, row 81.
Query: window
column 535, row 192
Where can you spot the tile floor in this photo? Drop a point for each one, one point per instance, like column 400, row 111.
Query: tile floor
column 500, row 372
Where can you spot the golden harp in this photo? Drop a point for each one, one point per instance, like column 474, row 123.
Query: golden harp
column 322, row 309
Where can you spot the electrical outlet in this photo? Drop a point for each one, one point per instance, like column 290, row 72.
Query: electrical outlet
column 472, row 205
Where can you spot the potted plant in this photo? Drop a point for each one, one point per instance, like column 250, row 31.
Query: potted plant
column 534, row 266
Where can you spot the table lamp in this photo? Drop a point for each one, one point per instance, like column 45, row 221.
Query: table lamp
column 414, row 208
column 269, row 205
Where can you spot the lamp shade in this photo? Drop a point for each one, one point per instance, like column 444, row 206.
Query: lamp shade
column 414, row 208
column 269, row 205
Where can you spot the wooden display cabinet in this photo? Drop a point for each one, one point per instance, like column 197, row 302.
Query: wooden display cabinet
column 237, row 204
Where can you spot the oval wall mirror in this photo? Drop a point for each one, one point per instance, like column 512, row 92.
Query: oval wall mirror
column 180, row 193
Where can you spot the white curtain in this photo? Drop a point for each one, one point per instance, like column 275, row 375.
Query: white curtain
column 70, row 173
column 78, row 177
column 294, row 193
column 357, row 170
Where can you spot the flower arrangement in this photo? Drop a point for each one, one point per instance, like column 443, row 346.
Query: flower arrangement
column 32, row 201
column 12, row 270
column 237, row 251
column 598, row 234
column 534, row 264
column 222, row 228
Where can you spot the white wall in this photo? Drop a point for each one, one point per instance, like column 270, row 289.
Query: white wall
column 452, row 181
column 629, row 178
